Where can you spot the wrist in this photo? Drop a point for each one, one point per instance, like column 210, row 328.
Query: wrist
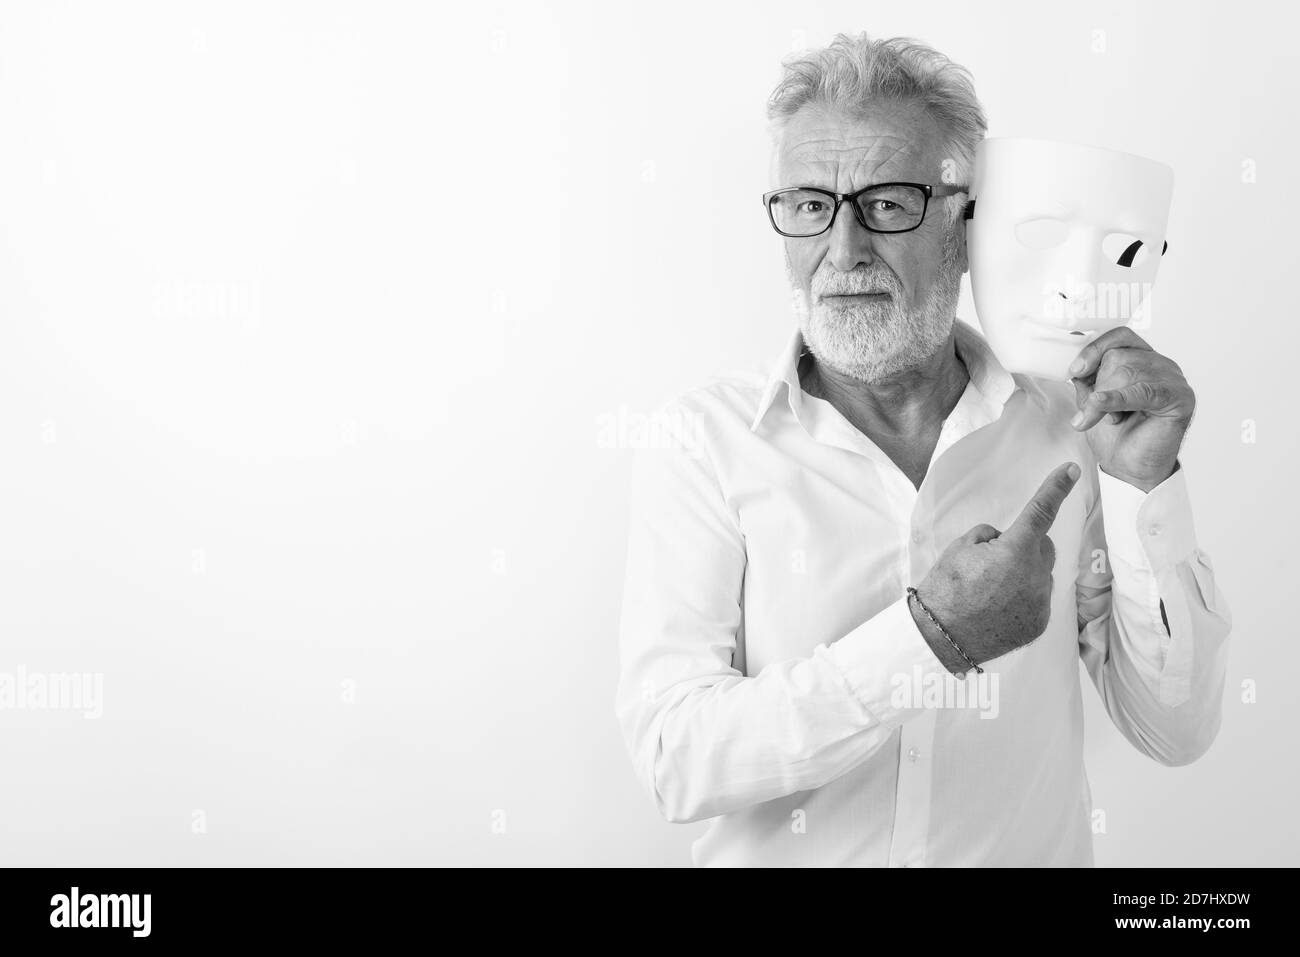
column 934, row 637
column 1144, row 483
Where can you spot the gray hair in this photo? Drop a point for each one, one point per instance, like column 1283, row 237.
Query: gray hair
column 853, row 72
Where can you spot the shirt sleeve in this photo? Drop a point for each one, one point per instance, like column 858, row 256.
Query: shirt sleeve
column 1153, row 624
column 705, row 738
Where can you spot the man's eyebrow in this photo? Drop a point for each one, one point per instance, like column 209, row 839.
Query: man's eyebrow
column 807, row 175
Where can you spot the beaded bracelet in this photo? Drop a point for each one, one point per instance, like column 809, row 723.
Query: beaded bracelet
column 911, row 593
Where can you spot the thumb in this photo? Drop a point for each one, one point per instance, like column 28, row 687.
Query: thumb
column 1081, row 392
column 981, row 534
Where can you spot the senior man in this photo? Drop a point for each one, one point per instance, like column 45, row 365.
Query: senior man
column 779, row 673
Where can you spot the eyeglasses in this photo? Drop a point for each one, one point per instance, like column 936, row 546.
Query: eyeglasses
column 803, row 211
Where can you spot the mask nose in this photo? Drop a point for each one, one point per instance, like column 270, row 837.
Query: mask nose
column 1077, row 306
column 1076, row 270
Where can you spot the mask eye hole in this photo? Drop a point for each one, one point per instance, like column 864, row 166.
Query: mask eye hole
column 1124, row 249
column 1042, row 233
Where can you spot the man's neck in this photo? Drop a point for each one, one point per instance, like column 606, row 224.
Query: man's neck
column 908, row 406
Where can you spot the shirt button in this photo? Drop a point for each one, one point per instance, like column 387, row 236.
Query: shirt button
column 916, row 538
column 1153, row 530
column 913, row 754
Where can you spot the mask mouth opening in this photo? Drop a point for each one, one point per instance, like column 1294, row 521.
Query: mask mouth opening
column 1042, row 327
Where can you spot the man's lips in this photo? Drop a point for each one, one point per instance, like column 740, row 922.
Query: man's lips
column 854, row 295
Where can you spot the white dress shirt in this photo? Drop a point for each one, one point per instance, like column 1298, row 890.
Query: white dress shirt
column 773, row 678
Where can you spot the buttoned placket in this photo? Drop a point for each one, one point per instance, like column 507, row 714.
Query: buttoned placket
column 823, row 423
column 911, row 822
column 915, row 779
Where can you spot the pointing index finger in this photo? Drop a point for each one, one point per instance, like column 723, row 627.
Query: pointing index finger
column 1037, row 516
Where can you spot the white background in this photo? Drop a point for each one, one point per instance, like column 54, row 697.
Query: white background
column 310, row 317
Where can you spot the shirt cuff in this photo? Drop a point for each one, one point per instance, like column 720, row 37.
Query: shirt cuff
column 1147, row 530
column 885, row 660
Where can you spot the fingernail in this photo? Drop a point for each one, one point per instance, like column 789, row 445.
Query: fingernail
column 1072, row 471
column 1075, row 367
column 1078, row 418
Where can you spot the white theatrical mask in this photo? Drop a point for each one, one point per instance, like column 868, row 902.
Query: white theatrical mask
column 1064, row 242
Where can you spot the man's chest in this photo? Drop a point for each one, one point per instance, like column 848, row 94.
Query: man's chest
column 832, row 538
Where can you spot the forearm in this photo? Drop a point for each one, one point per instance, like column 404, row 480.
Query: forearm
column 1155, row 641
column 1172, row 712
column 717, row 743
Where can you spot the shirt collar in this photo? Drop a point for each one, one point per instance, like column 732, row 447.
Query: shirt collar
column 994, row 384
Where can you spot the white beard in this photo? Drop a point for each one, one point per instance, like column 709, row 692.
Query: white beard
column 873, row 341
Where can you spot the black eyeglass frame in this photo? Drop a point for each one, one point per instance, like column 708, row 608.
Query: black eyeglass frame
column 851, row 198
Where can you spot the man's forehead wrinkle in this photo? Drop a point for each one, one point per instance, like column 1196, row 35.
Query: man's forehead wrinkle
column 844, row 164
column 869, row 144
column 880, row 157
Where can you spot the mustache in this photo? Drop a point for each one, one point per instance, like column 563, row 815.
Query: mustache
column 855, row 284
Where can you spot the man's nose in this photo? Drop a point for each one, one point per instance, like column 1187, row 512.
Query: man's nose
column 850, row 243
